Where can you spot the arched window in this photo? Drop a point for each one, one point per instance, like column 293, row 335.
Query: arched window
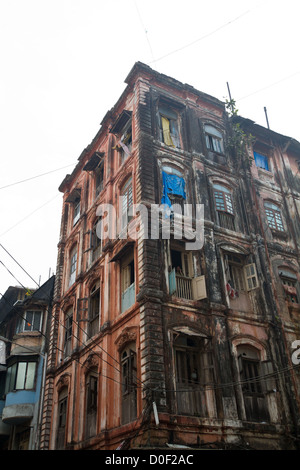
column 173, row 187
column 72, row 265
column 91, row 387
column 96, row 239
column 62, row 418
column 194, row 372
column 68, row 326
column 254, row 387
column 213, row 139
column 129, row 385
column 290, row 284
column 94, row 309
column 274, row 216
column 224, row 206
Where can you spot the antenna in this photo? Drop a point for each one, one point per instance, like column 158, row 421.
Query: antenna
column 230, row 99
column 265, row 109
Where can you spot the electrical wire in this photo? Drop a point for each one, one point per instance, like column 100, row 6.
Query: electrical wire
column 37, row 176
column 269, row 86
column 64, row 326
column 207, row 386
column 202, row 37
column 145, row 31
column 29, row 215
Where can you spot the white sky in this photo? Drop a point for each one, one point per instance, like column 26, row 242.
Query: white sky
column 63, row 65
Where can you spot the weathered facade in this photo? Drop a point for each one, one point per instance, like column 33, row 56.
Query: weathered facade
column 205, row 334
column 24, row 316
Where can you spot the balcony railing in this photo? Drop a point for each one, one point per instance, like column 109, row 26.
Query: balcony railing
column 226, row 220
column 180, row 285
column 184, row 287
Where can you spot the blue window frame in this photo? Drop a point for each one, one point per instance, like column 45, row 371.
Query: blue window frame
column 261, row 161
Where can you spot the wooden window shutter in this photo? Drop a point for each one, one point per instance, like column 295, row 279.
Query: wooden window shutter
column 269, row 382
column 250, row 276
column 82, row 309
column 199, row 288
column 207, row 367
column 172, row 282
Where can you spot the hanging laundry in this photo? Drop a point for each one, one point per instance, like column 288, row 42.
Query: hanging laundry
column 233, row 294
column 166, row 131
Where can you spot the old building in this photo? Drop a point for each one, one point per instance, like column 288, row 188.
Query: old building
column 24, row 316
column 157, row 338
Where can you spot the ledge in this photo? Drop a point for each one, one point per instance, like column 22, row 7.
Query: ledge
column 17, row 414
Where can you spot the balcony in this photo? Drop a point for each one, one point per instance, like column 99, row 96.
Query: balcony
column 186, row 287
column 19, row 407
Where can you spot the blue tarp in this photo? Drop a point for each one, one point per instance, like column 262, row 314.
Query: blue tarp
column 172, row 184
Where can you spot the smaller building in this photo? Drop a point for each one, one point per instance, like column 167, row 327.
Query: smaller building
column 24, row 320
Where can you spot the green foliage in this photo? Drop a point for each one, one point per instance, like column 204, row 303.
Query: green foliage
column 239, row 141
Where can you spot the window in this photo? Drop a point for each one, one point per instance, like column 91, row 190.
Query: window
column 68, row 333
column 99, row 178
column 122, row 129
column 274, row 218
column 91, row 403
column 96, row 165
column 261, row 161
column 240, row 277
column 168, row 127
column 182, row 281
column 94, row 310
column 96, row 239
column 173, row 187
column 129, row 386
column 127, row 282
column 62, row 419
column 21, row 376
column 224, row 206
column 254, row 390
column 126, row 203
column 290, row 284
column 73, row 266
column 76, row 211
column 31, row 321
column 194, row 375
column 213, row 139
column 126, row 142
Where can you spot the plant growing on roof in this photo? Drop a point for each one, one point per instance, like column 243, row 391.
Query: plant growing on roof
column 239, row 141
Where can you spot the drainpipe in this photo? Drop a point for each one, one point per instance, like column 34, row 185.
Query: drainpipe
column 41, row 401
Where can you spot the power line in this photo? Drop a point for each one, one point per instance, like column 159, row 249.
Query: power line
column 64, row 326
column 202, row 37
column 29, row 215
column 34, row 177
column 269, row 86
column 146, row 32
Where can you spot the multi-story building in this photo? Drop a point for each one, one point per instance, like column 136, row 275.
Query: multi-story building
column 156, row 338
column 24, row 317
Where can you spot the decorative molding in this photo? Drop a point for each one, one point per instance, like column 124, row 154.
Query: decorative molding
column 127, row 336
column 92, row 362
column 64, row 381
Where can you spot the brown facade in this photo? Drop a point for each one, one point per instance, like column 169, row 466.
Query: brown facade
column 205, row 334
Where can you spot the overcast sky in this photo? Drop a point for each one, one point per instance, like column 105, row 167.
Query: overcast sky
column 63, row 66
